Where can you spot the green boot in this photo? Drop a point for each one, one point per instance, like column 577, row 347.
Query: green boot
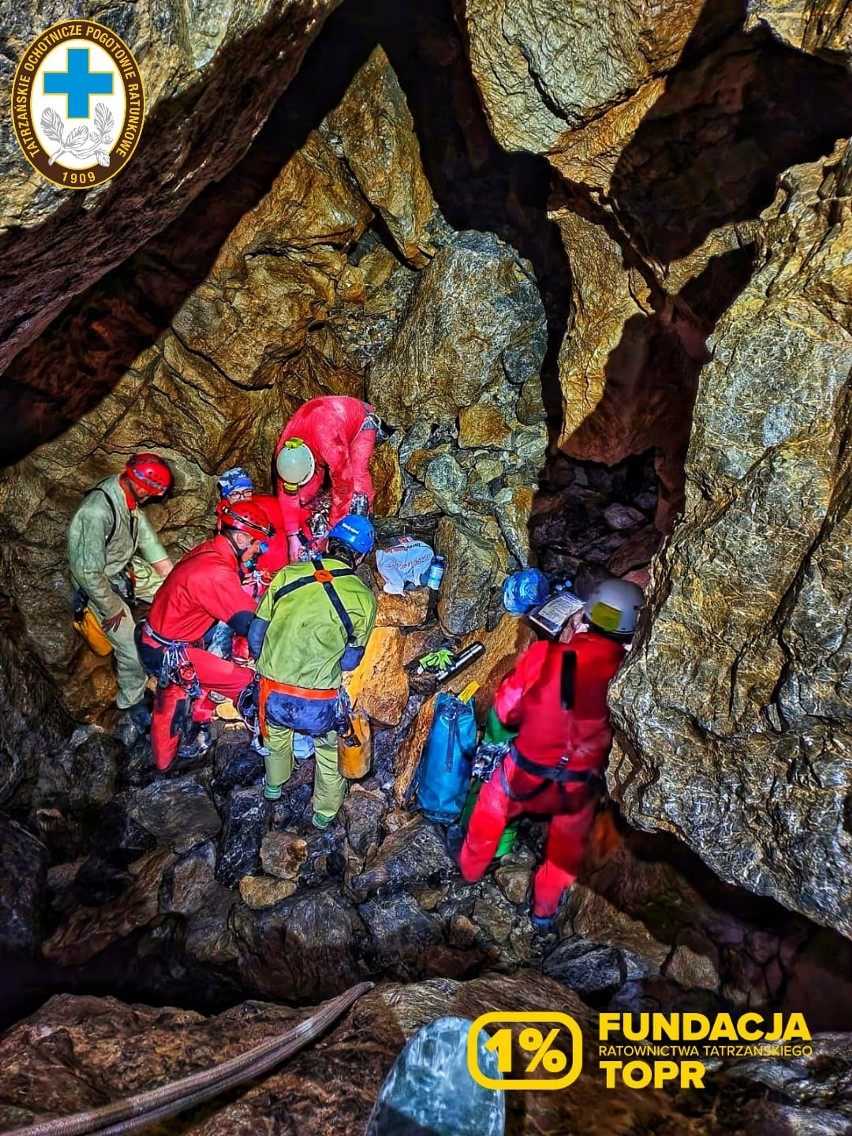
column 320, row 820
column 271, row 792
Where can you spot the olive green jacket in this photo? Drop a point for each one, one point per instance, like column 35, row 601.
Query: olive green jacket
column 300, row 639
column 95, row 560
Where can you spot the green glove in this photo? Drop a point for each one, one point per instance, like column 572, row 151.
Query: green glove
column 437, row 660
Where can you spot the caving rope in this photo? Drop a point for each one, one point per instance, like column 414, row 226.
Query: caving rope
column 136, row 1113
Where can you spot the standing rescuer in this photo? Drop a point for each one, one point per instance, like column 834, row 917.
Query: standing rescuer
column 556, row 699
column 332, row 436
column 115, row 559
column 312, row 624
column 204, row 587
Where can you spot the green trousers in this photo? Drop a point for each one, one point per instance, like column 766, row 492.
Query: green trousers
column 131, row 677
column 329, row 786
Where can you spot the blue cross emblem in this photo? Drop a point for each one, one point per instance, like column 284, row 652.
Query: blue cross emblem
column 78, row 82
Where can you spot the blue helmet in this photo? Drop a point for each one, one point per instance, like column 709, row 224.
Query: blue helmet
column 524, row 590
column 355, row 531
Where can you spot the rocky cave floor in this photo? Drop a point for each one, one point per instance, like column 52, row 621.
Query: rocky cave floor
column 189, row 889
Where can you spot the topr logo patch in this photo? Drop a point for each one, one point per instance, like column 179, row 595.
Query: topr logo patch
column 78, row 104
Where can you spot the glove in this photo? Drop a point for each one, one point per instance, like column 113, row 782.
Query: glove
column 294, row 548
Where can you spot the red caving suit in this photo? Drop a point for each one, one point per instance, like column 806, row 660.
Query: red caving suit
column 332, row 428
column 203, row 588
column 530, row 700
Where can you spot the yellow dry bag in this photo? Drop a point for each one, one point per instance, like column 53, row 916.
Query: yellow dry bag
column 86, row 624
column 355, row 747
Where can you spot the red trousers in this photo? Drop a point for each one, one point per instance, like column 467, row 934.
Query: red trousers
column 213, row 673
column 572, row 811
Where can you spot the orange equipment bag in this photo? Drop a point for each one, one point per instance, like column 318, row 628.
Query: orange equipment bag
column 86, row 624
column 355, row 747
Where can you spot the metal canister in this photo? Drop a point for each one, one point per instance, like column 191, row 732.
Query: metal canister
column 436, row 573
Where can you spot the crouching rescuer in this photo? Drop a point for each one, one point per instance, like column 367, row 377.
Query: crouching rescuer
column 312, row 624
column 556, row 699
column 205, row 587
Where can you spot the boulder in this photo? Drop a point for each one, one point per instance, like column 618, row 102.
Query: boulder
column 474, row 312
column 178, row 813
column 475, row 565
column 282, row 854
column 379, row 685
column 746, row 649
column 90, row 930
column 22, row 889
column 407, row 610
column 258, row 892
column 373, row 131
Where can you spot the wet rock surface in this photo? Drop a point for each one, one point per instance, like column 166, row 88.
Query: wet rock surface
column 747, row 651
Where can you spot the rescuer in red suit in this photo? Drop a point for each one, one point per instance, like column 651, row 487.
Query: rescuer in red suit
column 335, row 436
column 204, row 587
column 556, row 699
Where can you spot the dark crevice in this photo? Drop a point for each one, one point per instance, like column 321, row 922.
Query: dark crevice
column 710, row 150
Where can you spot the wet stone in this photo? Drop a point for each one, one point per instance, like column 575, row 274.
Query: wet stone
column 587, row 969
column 179, row 813
column 362, row 813
column 513, row 880
column 414, row 853
column 494, row 914
column 235, row 765
column 400, row 933
column 282, row 854
column 187, row 883
column 245, row 825
column 263, row 891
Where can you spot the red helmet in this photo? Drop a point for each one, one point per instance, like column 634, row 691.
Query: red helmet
column 150, row 472
column 246, row 516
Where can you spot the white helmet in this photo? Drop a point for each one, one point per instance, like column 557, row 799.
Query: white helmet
column 295, row 464
column 614, row 606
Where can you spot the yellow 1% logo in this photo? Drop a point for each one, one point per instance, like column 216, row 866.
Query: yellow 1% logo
column 535, row 1052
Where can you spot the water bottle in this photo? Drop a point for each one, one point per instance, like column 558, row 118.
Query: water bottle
column 436, row 573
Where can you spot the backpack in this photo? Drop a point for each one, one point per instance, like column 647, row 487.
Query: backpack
column 444, row 772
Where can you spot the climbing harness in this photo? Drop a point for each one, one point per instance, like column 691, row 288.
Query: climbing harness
column 558, row 774
column 176, row 667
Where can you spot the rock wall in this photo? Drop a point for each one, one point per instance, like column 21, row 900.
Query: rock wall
column 735, row 705
column 212, row 72
column 668, row 141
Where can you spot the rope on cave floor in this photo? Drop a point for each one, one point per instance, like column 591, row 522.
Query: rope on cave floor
column 136, row 1113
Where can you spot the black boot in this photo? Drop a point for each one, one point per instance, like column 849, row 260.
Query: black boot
column 453, row 842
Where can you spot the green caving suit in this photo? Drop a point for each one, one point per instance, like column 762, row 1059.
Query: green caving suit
column 303, row 646
column 96, row 562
